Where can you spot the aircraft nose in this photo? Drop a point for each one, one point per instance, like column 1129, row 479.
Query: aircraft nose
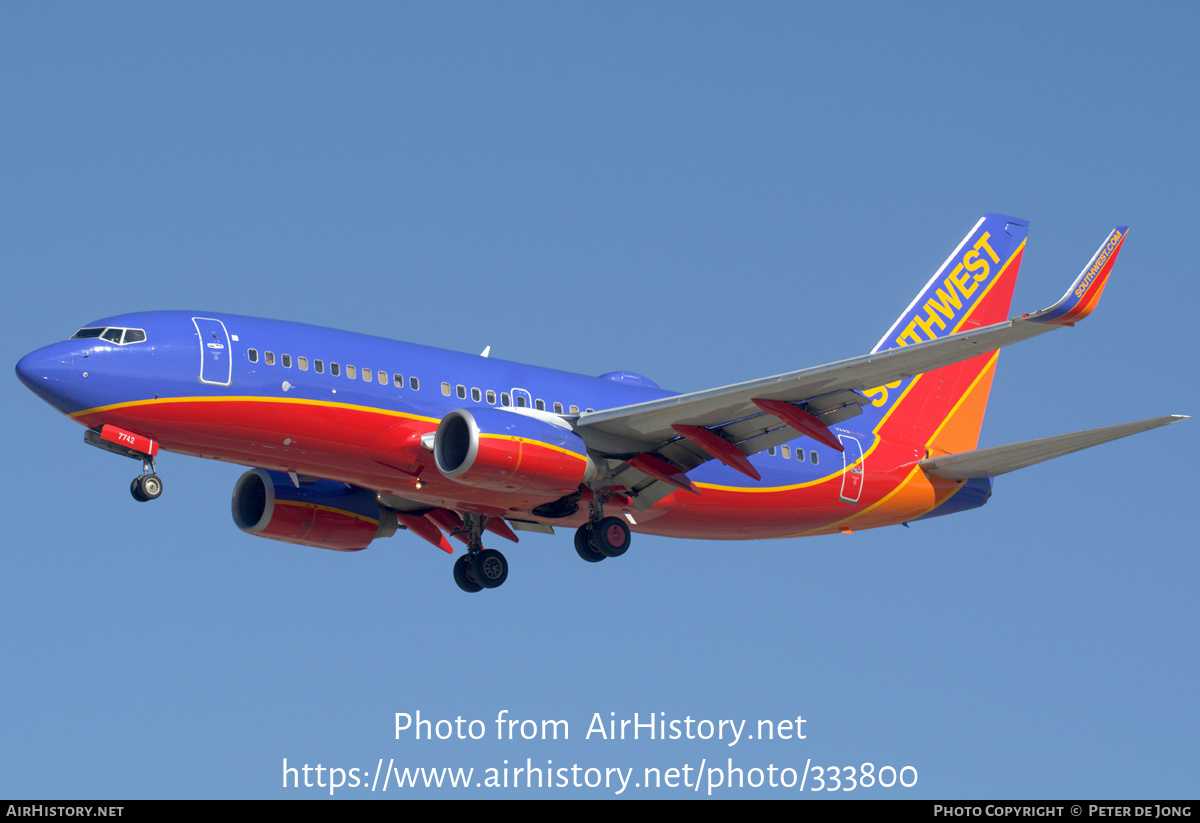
column 42, row 366
column 48, row 373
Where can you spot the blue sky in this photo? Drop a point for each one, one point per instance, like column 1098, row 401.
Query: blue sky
column 699, row 192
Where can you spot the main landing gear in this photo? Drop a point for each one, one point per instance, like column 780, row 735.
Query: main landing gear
column 479, row 568
column 601, row 536
column 607, row 538
column 147, row 485
column 482, row 568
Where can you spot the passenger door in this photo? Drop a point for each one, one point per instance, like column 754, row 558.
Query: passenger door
column 216, row 361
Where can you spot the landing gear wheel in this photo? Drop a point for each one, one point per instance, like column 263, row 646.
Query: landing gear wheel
column 462, row 575
column 151, row 486
column 583, row 544
column 610, row 537
column 489, row 568
column 146, row 487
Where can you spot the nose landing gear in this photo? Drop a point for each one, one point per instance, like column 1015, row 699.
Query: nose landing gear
column 147, row 485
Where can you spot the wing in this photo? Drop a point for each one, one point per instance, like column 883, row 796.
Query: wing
column 661, row 439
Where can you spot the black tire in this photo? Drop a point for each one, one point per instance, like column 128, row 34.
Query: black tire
column 151, row 486
column 135, row 488
column 611, row 537
column 583, row 544
column 489, row 568
column 462, row 575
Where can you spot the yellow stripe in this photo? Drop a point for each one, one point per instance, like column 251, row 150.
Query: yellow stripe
column 543, row 445
column 896, row 403
column 304, row 402
column 252, row 399
column 342, row 512
column 916, row 469
column 988, row 288
column 989, row 366
column 899, row 487
column 766, row 489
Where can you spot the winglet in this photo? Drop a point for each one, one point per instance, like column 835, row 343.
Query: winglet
column 1085, row 292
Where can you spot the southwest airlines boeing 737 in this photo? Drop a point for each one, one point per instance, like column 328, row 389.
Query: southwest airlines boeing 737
column 350, row 437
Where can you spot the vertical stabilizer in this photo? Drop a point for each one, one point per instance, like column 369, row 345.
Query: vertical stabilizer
column 942, row 410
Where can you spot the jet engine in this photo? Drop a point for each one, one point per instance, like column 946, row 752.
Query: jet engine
column 510, row 451
column 321, row 513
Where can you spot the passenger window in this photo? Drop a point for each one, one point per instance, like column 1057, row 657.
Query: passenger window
column 397, row 381
column 414, row 384
column 786, row 451
column 302, row 362
column 504, row 399
column 475, row 395
column 269, row 358
column 286, row 360
column 800, row 455
column 335, row 369
column 521, row 402
column 351, row 372
column 540, row 404
column 252, row 355
column 367, row 375
column 771, row 451
column 813, row 457
column 446, row 389
column 491, row 397
column 461, row 391
column 558, row 408
column 574, row 409
column 319, row 366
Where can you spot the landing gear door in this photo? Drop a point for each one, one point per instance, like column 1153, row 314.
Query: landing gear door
column 216, row 361
column 852, row 469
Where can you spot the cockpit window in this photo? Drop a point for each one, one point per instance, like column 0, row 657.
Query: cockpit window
column 121, row 337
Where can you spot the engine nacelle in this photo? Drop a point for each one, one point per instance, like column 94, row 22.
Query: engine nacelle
column 321, row 513
column 510, row 451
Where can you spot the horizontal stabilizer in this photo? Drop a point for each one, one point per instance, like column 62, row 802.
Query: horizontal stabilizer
column 997, row 460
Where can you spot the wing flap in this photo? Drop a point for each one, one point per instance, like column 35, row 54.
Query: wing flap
column 997, row 460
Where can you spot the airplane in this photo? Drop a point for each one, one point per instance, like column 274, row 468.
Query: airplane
column 351, row 437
